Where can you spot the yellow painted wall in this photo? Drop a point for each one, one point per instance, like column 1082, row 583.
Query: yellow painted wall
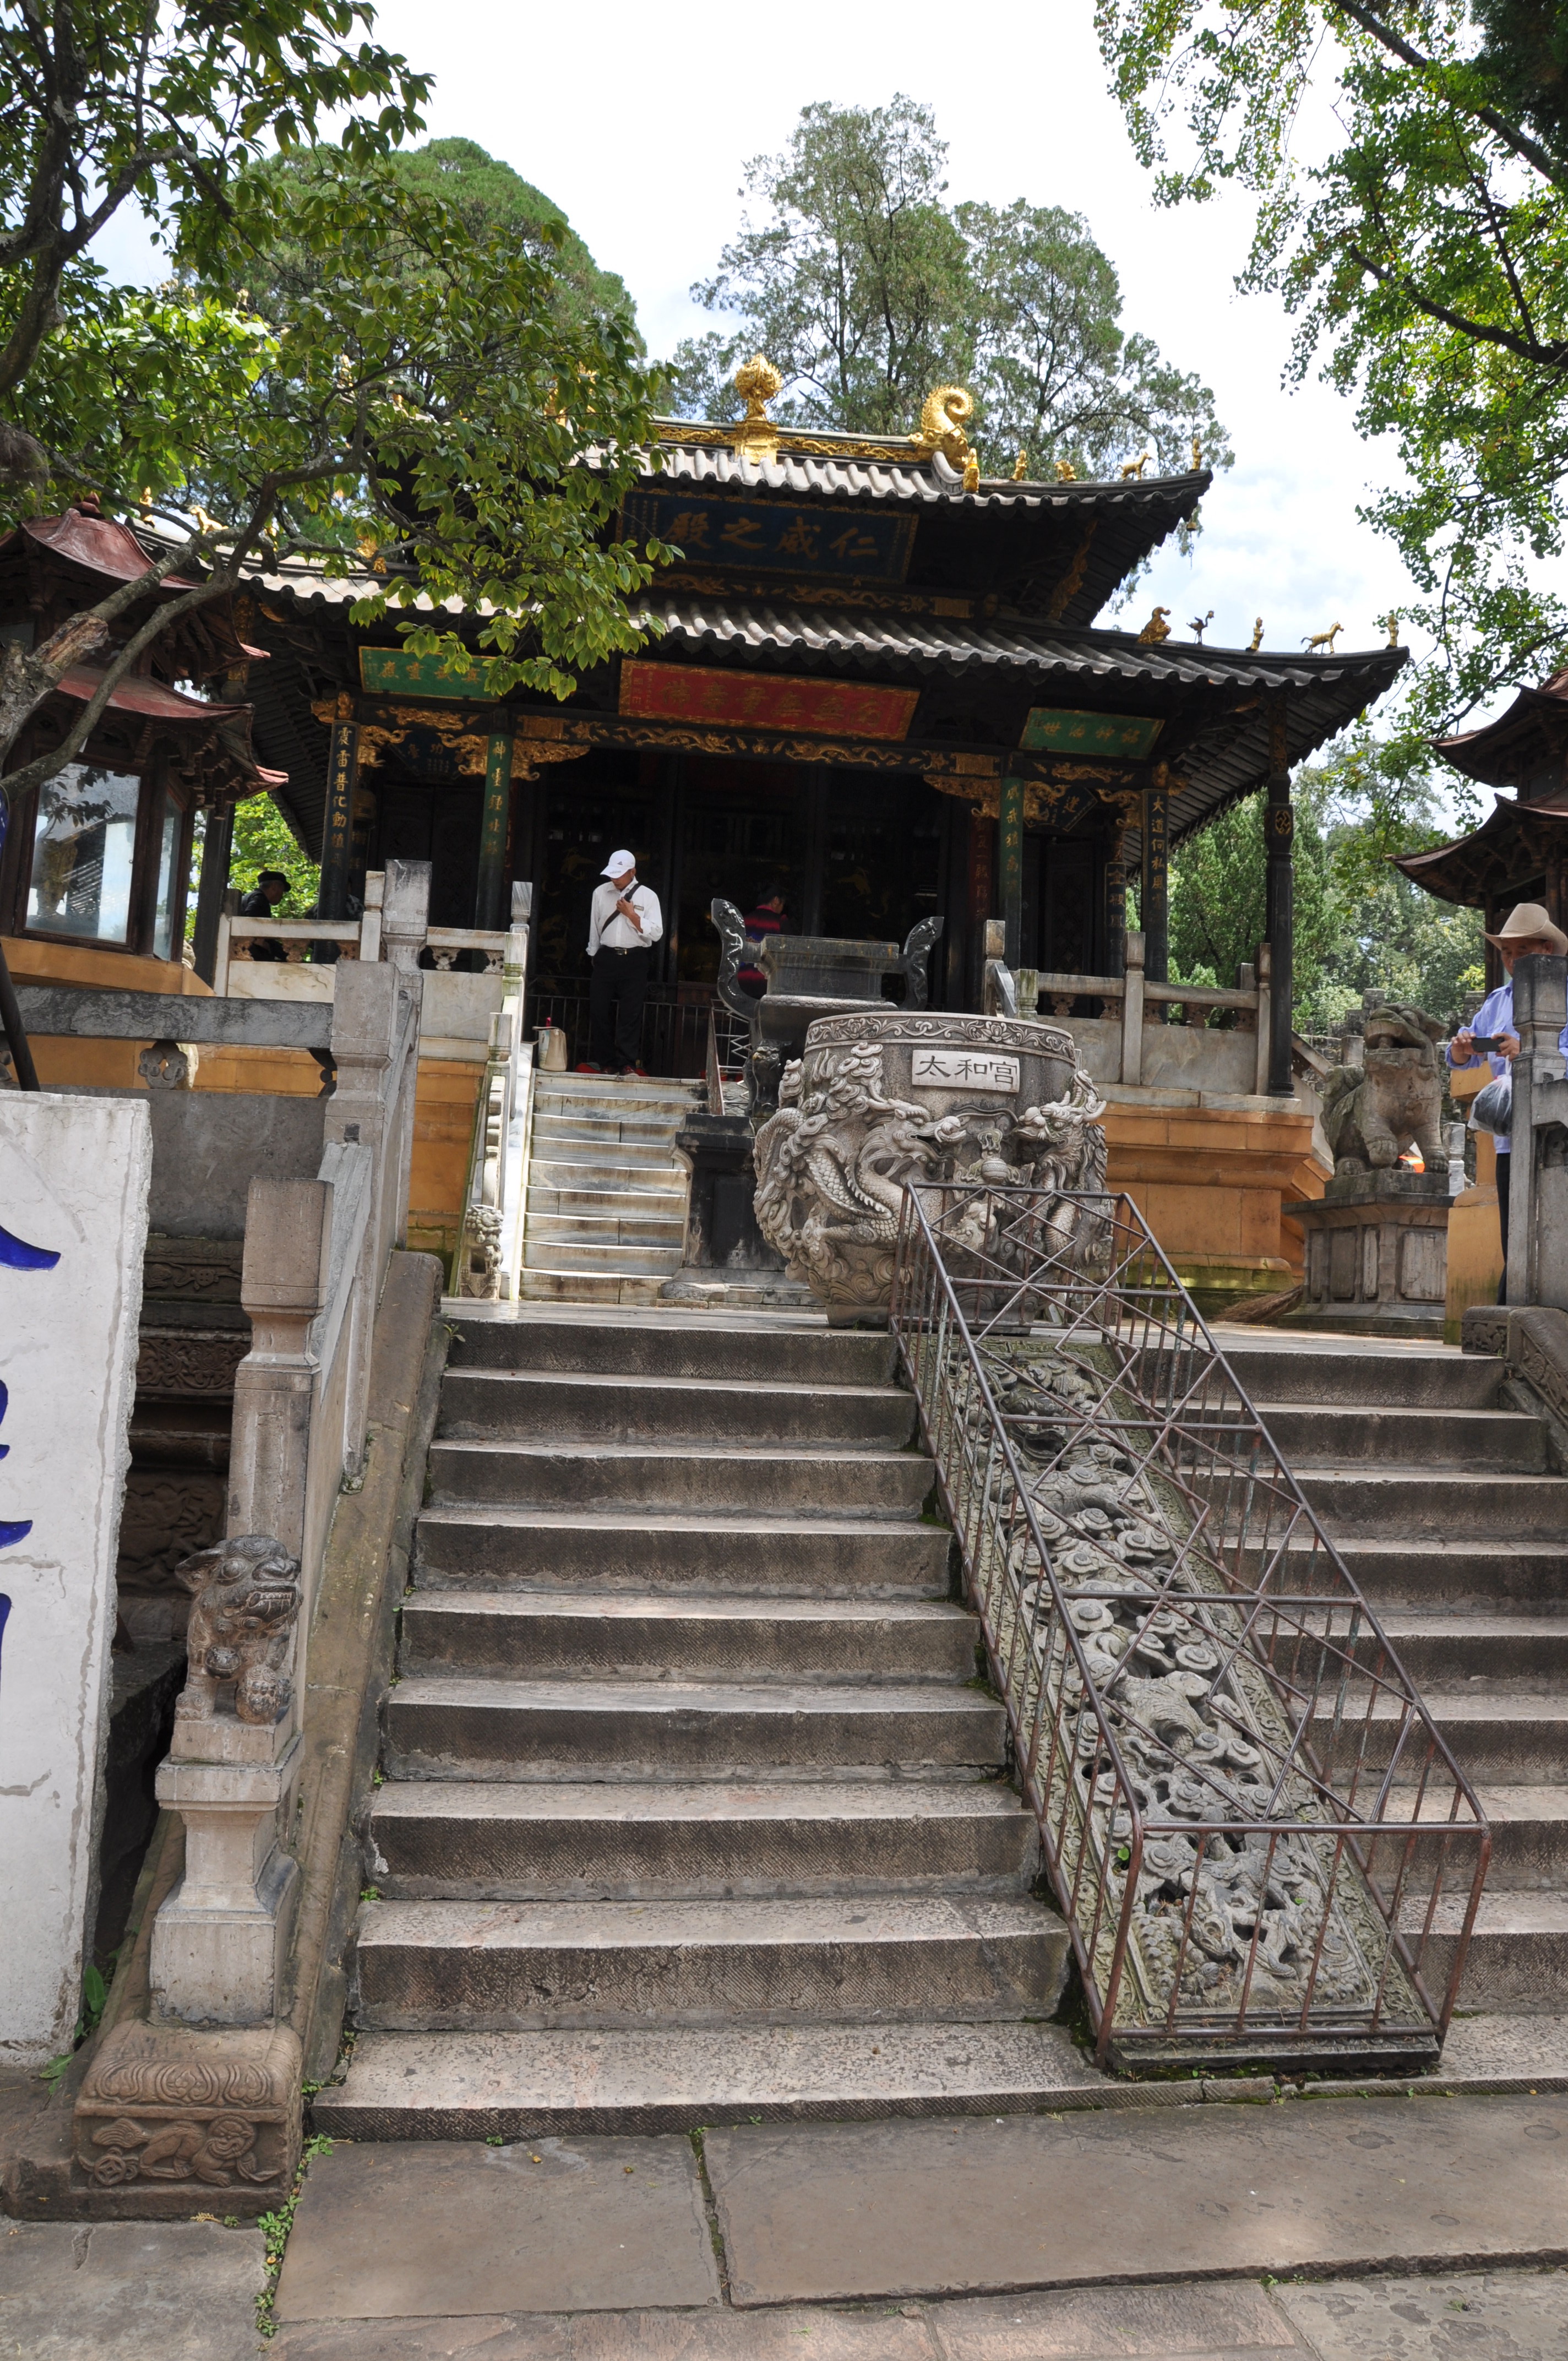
column 447, row 1095
column 1474, row 1240
column 32, row 961
column 1215, row 1185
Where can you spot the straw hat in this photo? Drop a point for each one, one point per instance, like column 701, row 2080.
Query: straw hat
column 1530, row 919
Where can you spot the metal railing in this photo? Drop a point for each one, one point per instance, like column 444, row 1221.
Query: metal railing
column 674, row 1030
column 1262, row 1846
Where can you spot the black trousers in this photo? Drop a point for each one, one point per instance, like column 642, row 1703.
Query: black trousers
column 1504, row 1166
column 616, row 993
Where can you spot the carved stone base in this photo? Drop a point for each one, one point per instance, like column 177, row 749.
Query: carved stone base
column 169, row 2121
column 1377, row 1254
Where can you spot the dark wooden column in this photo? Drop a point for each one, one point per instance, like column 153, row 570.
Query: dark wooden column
column 1154, row 905
column 1278, row 837
column 337, row 830
column 1010, row 862
column 217, row 850
column 1116, row 867
column 982, row 891
column 815, row 789
column 490, row 895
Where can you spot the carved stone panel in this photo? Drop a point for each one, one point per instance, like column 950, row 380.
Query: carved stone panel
column 168, row 2118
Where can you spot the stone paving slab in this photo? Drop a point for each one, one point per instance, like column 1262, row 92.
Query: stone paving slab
column 430, row 2228
column 135, row 2290
column 949, row 2206
column 1503, row 2316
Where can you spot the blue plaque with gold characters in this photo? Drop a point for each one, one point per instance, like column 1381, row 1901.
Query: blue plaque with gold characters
column 773, row 535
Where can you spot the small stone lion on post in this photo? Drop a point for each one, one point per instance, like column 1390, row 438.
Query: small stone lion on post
column 1372, row 1111
column 248, row 1600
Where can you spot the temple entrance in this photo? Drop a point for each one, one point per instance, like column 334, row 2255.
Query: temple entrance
column 438, row 824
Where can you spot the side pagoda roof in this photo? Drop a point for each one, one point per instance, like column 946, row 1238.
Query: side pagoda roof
column 1516, row 840
column 1523, row 749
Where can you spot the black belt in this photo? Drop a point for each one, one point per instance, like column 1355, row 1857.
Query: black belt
column 623, row 950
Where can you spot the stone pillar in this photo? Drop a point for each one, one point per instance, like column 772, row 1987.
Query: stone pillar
column 74, row 1176
column 490, row 900
column 337, row 833
column 1010, row 847
column 1280, row 831
column 217, row 847
column 405, row 912
column 1155, row 901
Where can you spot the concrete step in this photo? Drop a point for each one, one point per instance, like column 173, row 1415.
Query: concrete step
column 653, row 1179
column 691, row 1346
column 540, row 1285
column 1459, row 1574
column 503, row 1966
column 1365, row 1377
column 495, row 1633
column 650, row 1091
column 1340, row 1435
column 1497, row 1736
column 481, row 2086
column 563, row 1255
column 1530, row 1840
column 572, row 1129
column 449, row 1727
column 1440, row 1504
column 1518, row 1959
column 624, row 1224
column 545, row 1203
column 1440, row 1652
column 641, row 1479
column 612, row 1552
column 626, row 1841
column 502, row 1404
column 583, row 1151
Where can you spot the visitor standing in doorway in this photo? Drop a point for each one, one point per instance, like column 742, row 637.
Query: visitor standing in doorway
column 624, row 924
column 767, row 919
column 1525, row 930
column 270, row 888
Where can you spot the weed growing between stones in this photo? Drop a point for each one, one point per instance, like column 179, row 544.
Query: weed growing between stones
column 275, row 2229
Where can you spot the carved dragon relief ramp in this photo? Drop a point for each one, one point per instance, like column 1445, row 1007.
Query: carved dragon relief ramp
column 1249, row 1819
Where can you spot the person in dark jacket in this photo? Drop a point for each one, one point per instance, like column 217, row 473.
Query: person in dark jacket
column 270, row 888
column 767, row 919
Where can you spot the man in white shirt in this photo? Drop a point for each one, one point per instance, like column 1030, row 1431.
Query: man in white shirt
column 624, row 923
column 1526, row 929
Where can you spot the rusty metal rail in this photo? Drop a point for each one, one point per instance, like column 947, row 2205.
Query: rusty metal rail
column 1261, row 1843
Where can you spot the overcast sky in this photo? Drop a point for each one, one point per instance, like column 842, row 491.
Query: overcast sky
column 637, row 120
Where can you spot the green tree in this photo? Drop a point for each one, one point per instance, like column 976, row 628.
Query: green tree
column 1217, row 899
column 421, row 396
column 1426, row 259
column 866, row 289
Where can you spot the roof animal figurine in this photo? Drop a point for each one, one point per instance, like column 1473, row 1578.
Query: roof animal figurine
column 1324, row 639
column 1021, row 467
column 942, row 419
column 1256, row 640
column 1158, row 628
column 1135, row 467
column 1390, row 623
column 1200, row 624
column 1392, row 1101
column 972, row 473
column 1197, row 455
column 1065, row 474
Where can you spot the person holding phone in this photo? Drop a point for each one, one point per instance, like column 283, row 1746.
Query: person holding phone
column 624, row 923
column 1490, row 1032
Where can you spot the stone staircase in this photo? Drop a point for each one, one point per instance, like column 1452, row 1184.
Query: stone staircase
column 1449, row 1508
column 604, row 1220
column 693, row 1809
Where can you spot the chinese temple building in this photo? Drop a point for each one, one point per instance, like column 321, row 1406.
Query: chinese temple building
column 1519, row 852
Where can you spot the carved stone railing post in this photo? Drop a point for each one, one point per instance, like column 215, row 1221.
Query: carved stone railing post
column 405, row 912
column 1133, row 1012
column 283, row 1285
column 1538, row 1196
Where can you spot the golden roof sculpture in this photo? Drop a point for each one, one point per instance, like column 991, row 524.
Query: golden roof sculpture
column 1157, row 629
column 941, row 424
column 755, row 436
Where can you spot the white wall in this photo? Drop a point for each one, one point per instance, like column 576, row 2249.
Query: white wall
column 74, row 1178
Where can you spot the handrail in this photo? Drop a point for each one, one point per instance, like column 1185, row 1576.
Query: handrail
column 1262, row 1845
column 483, row 1261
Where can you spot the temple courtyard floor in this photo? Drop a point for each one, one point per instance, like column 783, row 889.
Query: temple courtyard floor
column 1343, row 2229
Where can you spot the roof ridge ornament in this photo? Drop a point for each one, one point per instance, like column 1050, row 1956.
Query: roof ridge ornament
column 941, row 427
column 755, row 436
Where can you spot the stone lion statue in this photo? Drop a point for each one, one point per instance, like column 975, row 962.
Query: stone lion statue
column 247, row 1598
column 1372, row 1111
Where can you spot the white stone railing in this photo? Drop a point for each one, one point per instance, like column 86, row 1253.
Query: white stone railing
column 489, row 1247
column 1130, row 1047
column 316, row 1255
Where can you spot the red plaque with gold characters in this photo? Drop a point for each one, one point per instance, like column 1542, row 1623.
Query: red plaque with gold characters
column 749, row 700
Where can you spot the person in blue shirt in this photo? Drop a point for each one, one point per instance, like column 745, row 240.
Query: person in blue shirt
column 1529, row 928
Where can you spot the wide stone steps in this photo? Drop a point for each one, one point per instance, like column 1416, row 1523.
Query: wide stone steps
column 604, row 1219
column 1437, row 1503
column 507, row 2085
column 497, row 1634
column 1456, row 1573
column 1497, row 1652
column 637, row 1841
column 1365, row 1377
column 714, row 1347
column 1517, row 1960
column 599, row 1408
column 877, row 1552
column 1342, row 1437
column 500, row 1967
column 600, row 1229
column 827, row 1481
column 458, row 1727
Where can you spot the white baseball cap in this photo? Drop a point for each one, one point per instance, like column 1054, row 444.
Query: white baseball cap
column 618, row 865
